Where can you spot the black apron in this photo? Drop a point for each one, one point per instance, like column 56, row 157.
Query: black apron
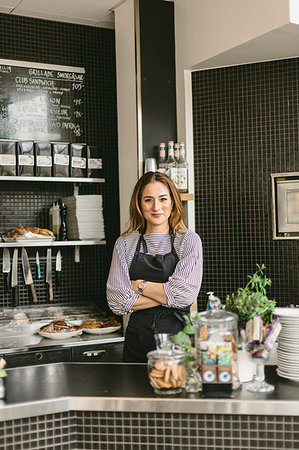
column 143, row 324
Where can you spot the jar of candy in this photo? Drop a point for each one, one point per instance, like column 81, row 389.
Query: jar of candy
column 217, row 348
column 166, row 371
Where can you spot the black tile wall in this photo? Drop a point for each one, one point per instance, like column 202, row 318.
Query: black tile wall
column 49, row 42
column 245, row 128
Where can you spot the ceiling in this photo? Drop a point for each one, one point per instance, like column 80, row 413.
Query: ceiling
column 97, row 13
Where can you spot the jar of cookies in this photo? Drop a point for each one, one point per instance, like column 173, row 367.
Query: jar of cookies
column 217, row 345
column 166, row 371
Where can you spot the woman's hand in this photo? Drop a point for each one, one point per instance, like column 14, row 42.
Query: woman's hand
column 135, row 284
column 153, row 291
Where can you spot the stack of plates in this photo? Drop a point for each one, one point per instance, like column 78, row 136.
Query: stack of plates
column 288, row 343
column 84, row 219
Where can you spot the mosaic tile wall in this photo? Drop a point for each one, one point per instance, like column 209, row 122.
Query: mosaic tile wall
column 43, row 41
column 147, row 431
column 245, row 128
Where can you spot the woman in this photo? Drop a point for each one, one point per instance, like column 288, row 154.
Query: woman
column 156, row 268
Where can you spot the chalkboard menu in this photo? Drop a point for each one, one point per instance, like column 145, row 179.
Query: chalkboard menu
column 41, row 102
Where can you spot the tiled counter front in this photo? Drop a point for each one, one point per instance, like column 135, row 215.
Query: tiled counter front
column 151, row 431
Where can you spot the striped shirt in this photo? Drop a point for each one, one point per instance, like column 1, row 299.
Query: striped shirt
column 183, row 285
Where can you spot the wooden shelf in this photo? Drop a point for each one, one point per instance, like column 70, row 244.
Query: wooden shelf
column 187, row 197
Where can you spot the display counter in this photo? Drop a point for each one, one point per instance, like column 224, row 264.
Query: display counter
column 97, row 403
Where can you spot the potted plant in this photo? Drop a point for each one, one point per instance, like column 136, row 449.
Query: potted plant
column 247, row 303
column 252, row 299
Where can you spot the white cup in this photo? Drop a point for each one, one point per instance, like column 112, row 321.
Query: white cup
column 150, row 165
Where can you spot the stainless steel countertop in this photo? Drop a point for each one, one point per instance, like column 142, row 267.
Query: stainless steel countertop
column 51, row 388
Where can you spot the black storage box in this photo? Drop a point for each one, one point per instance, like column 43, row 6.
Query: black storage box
column 25, row 151
column 78, row 160
column 43, row 159
column 61, row 159
column 8, row 165
column 94, row 162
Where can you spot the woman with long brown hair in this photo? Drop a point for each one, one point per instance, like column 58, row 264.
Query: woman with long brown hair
column 156, row 268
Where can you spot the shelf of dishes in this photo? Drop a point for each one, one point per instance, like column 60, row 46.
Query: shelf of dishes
column 38, row 243
column 53, row 179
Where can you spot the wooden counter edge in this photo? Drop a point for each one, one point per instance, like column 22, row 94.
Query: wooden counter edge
column 187, row 197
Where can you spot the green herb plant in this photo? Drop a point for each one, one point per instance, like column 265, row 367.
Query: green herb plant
column 183, row 341
column 252, row 299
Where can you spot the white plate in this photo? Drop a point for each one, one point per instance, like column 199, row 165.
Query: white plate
column 24, row 239
column 64, row 335
column 288, row 377
column 292, row 313
column 103, row 330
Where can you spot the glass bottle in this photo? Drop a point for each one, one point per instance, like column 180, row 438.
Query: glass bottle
column 182, row 170
column 162, row 159
column 171, row 164
column 177, row 152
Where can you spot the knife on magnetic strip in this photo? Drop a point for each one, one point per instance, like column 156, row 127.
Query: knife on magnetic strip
column 49, row 273
column 14, row 278
column 6, row 268
column 58, row 268
column 27, row 273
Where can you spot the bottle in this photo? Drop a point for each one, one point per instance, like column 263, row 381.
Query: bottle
column 171, row 164
column 63, row 230
column 182, row 170
column 162, row 159
column 177, row 152
column 54, row 217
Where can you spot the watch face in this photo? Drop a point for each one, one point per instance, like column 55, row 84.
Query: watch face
column 142, row 285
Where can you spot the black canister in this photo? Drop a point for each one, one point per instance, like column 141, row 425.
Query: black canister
column 78, row 160
column 94, row 162
column 61, row 159
column 8, row 166
column 43, row 159
column 26, row 164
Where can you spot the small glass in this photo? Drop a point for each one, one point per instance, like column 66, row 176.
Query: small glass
column 150, row 165
column 163, row 341
column 2, row 387
column 259, row 355
column 193, row 382
column 166, row 371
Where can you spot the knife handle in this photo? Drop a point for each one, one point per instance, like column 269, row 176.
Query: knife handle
column 39, row 275
column 6, row 282
column 33, row 293
column 58, row 277
column 50, row 290
column 15, row 296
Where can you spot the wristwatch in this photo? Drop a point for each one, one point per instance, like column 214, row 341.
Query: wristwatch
column 141, row 286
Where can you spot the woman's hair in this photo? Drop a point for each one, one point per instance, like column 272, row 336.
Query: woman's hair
column 137, row 221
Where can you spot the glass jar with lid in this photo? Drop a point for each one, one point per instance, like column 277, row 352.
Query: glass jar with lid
column 166, row 371
column 217, row 346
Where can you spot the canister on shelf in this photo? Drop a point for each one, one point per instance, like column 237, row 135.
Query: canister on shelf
column 8, row 165
column 26, row 158
column 61, row 159
column 43, row 159
column 78, row 160
column 95, row 167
